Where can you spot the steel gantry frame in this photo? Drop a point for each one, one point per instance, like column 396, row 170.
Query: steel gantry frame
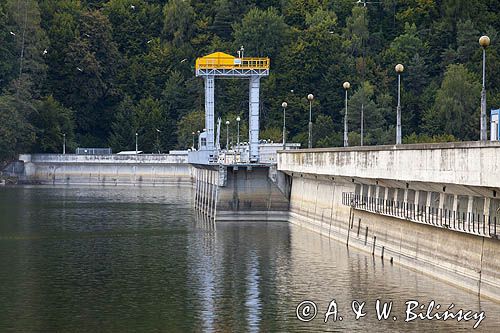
column 224, row 65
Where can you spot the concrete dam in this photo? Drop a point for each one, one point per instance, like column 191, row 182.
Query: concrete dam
column 434, row 208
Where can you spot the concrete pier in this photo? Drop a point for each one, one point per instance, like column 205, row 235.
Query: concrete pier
column 240, row 193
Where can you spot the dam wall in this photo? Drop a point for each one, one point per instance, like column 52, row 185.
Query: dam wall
column 106, row 169
column 240, row 193
column 443, row 226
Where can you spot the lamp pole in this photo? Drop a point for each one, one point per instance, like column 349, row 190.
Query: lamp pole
column 284, row 105
column 238, row 135
column 64, row 143
column 198, row 132
column 192, row 134
column 158, row 140
column 399, row 69
column 136, row 145
column 310, row 97
column 227, row 135
column 346, row 86
column 484, row 41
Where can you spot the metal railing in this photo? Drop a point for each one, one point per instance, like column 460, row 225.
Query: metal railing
column 469, row 222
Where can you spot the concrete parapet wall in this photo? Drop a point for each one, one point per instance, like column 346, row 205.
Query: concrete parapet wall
column 464, row 163
column 107, row 169
column 468, row 261
column 103, row 159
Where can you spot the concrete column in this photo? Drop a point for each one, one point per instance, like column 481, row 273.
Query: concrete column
column 429, row 197
column 405, row 196
column 455, row 202
column 486, row 209
column 253, row 127
column 196, row 189
column 442, row 197
column 210, row 173
column 210, row 110
column 205, row 191
column 377, row 192
column 470, row 203
column 417, row 197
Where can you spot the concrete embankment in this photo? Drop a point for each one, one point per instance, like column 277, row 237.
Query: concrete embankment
column 468, row 258
column 106, row 169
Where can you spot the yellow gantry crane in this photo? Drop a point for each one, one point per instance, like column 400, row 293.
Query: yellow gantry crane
column 225, row 65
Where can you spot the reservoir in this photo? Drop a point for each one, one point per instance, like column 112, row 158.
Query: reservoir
column 128, row 258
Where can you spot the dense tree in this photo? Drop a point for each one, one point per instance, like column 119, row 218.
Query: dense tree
column 262, row 32
column 52, row 121
column 455, row 109
column 124, row 126
column 102, row 70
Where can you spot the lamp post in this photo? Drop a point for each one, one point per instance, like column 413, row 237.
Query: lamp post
column 198, row 132
column 227, row 135
column 158, row 140
column 346, row 86
column 64, row 143
column 284, row 105
column 192, row 135
column 310, row 97
column 136, row 145
column 238, row 135
column 399, row 69
column 484, row 41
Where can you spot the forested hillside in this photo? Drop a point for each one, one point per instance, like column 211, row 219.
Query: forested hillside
column 100, row 71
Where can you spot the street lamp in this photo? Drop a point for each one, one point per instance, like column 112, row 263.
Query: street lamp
column 310, row 97
column 238, row 135
column 399, row 69
column 64, row 143
column 198, row 132
column 158, row 140
column 192, row 146
column 284, row 105
column 136, row 145
column 227, row 135
column 484, row 41
column 346, row 86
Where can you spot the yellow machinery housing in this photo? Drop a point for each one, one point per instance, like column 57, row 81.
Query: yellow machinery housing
column 224, row 61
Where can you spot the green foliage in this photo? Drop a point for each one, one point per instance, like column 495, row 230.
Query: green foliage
column 52, row 121
column 424, row 138
column 16, row 132
column 456, row 108
column 274, row 134
column 102, row 70
column 262, row 32
column 124, row 127
column 189, row 124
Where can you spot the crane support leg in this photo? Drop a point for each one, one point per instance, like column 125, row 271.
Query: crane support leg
column 210, row 110
column 254, row 118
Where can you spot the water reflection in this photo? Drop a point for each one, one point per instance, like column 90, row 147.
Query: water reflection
column 140, row 259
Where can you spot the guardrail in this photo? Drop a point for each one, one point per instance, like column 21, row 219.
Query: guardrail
column 477, row 224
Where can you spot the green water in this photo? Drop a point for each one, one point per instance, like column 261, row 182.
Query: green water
column 128, row 259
